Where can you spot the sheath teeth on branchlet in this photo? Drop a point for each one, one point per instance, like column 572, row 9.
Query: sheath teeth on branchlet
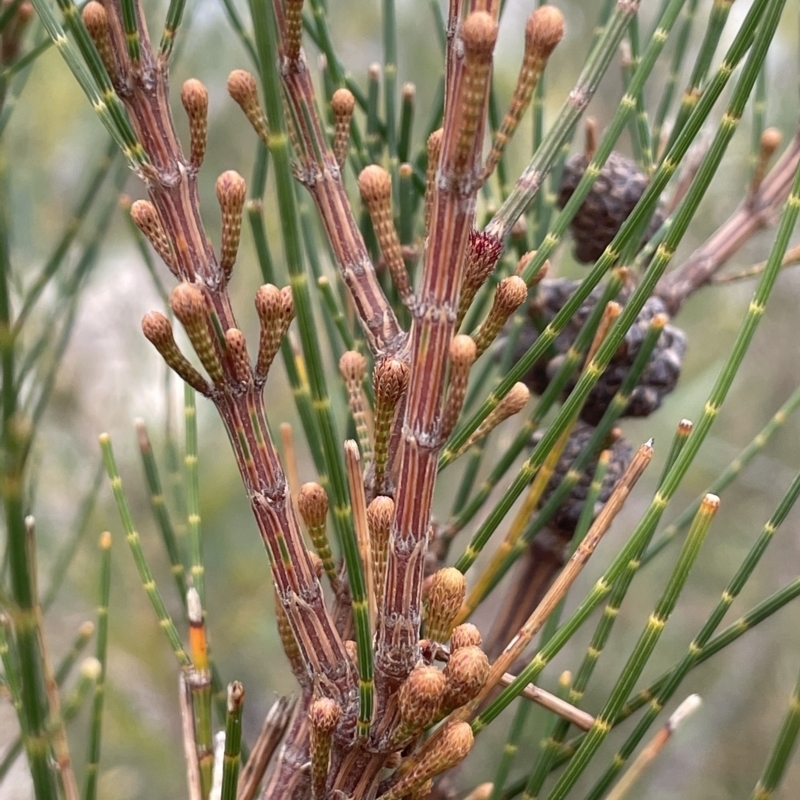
column 659, row 378
column 566, row 517
column 613, row 195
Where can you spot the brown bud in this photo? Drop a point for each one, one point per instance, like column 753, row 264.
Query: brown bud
column 194, row 97
column 380, row 513
column 510, row 295
column 483, row 253
column 434, row 154
column 275, row 308
column 516, row 399
column 479, row 34
column 342, row 104
column 769, row 143
column 189, row 305
column 544, row 30
column 445, row 596
column 324, row 715
column 375, row 185
column 242, row 88
column 419, row 697
column 95, row 19
column 293, row 28
column 146, row 218
column 353, row 367
column 240, row 361
column 465, row 635
column 389, row 379
column 288, row 640
column 351, row 648
column 466, row 673
column 158, row 330
column 462, row 356
column 312, row 504
column 449, row 748
column 231, row 190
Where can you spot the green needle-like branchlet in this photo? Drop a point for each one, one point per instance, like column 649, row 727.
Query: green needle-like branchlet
column 173, row 20
column 96, row 730
column 642, row 651
column 132, row 536
column 718, row 16
column 782, row 750
column 160, row 509
column 676, row 676
column 689, row 15
column 232, row 758
column 62, row 672
column 727, row 476
column 196, row 566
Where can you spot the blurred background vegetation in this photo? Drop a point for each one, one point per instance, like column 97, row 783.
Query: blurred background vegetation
column 111, row 375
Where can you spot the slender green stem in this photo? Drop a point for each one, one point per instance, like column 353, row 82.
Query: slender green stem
column 676, row 676
column 132, row 536
column 782, row 750
column 727, row 476
column 641, row 652
column 713, row 31
column 68, row 550
column 196, row 568
column 688, row 16
column 96, row 730
column 174, row 16
column 233, row 742
column 63, row 671
column 15, row 439
column 160, row 510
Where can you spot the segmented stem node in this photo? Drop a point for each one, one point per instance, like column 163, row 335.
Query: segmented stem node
column 194, row 97
column 543, row 31
column 353, row 368
column 434, row 156
column 312, row 504
column 479, row 34
column 516, row 399
column 323, row 717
